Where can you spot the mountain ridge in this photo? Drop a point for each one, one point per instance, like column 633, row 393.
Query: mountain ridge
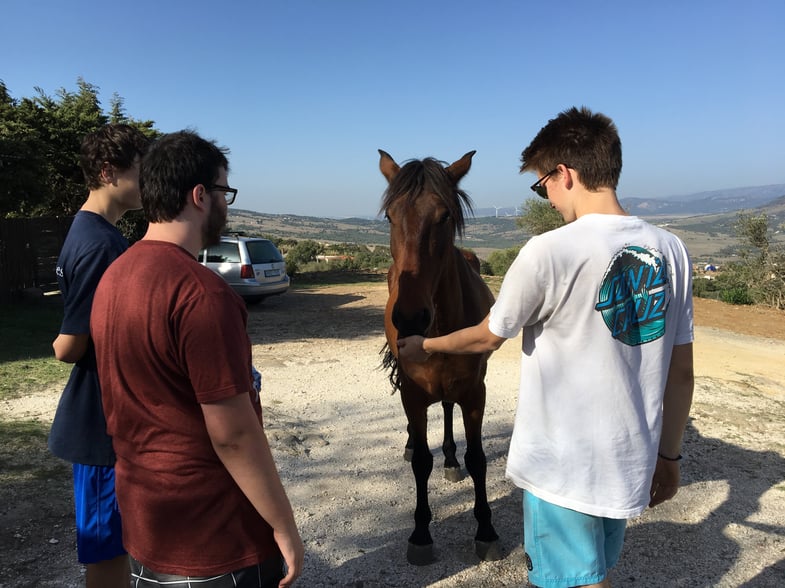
column 709, row 234
column 709, row 202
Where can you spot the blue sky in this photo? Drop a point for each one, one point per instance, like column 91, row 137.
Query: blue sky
column 304, row 92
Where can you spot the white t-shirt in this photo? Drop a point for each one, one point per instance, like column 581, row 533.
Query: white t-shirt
column 602, row 301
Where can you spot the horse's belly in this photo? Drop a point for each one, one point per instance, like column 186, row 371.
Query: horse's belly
column 449, row 381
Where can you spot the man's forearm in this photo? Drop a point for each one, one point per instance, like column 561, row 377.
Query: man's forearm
column 70, row 348
column 251, row 465
column 677, row 400
column 476, row 339
column 241, row 444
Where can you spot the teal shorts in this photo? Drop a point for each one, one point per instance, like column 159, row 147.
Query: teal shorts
column 567, row 548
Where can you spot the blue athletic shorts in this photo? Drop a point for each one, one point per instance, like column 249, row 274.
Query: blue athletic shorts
column 99, row 534
column 567, row 548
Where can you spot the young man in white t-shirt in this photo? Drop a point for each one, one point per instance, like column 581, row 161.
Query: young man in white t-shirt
column 605, row 304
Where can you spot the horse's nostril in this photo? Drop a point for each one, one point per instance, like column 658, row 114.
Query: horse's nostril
column 415, row 324
column 424, row 321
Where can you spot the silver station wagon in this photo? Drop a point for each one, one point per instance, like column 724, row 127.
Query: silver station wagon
column 252, row 266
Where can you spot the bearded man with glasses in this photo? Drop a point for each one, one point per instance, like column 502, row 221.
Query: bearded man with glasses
column 202, row 500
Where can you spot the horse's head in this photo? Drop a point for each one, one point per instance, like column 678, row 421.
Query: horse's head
column 425, row 209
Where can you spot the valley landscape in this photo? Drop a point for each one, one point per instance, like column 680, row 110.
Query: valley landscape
column 708, row 231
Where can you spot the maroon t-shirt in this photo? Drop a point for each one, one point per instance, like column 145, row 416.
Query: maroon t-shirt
column 170, row 335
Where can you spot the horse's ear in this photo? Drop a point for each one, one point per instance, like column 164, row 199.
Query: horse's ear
column 459, row 168
column 388, row 166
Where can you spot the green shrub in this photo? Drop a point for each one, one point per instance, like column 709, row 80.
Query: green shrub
column 703, row 288
column 303, row 252
column 292, row 268
column 736, row 295
column 500, row 261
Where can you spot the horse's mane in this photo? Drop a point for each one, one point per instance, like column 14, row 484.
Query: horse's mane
column 417, row 176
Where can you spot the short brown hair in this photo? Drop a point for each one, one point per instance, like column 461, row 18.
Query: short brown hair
column 173, row 165
column 582, row 140
column 118, row 144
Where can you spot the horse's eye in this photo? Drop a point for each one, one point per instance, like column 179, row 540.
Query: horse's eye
column 444, row 218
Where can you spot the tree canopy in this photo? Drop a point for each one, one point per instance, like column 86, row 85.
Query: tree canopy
column 538, row 217
column 40, row 137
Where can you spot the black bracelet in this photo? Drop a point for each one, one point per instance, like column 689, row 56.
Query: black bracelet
column 669, row 458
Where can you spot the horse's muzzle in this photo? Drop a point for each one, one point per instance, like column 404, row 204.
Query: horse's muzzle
column 414, row 324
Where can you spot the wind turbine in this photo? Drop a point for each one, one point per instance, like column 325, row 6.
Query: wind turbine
column 497, row 210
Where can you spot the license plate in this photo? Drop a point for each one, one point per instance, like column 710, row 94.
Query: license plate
column 272, row 273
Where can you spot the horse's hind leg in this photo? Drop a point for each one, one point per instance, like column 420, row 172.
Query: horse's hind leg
column 486, row 540
column 452, row 468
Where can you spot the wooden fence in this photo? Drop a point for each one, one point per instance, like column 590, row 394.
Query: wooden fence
column 29, row 248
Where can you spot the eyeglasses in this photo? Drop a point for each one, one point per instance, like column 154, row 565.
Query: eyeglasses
column 538, row 188
column 229, row 193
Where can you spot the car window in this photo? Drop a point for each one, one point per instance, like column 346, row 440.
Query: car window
column 223, row 252
column 263, row 252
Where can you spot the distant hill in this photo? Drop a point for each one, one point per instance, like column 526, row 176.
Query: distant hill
column 481, row 234
column 716, row 201
column 709, row 236
column 723, row 222
column 713, row 237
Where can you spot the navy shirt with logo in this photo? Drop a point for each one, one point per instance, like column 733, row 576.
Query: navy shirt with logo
column 78, row 431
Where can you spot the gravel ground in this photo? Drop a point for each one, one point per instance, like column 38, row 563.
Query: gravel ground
column 338, row 435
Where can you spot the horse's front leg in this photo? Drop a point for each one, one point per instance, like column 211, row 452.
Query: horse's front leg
column 420, row 548
column 452, row 468
column 408, row 450
column 486, row 540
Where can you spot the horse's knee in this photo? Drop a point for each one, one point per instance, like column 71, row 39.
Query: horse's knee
column 422, row 461
column 476, row 463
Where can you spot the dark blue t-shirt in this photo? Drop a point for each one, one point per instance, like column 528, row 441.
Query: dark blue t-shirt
column 78, row 431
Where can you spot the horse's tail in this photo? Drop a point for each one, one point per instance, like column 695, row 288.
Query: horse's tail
column 390, row 362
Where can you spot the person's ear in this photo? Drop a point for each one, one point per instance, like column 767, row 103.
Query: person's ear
column 107, row 173
column 566, row 176
column 198, row 194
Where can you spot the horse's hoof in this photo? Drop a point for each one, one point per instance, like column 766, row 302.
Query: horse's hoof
column 487, row 550
column 453, row 474
column 407, row 454
column 420, row 555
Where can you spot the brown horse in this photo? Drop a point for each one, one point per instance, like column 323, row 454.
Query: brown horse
column 436, row 288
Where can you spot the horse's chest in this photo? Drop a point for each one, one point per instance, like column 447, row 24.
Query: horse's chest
column 447, row 378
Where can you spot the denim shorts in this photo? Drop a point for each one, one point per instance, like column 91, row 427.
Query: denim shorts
column 267, row 574
column 567, row 548
column 99, row 532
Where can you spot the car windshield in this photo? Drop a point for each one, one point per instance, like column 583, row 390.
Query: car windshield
column 263, row 252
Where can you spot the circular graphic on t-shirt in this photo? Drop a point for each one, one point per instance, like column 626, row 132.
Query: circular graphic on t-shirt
column 634, row 295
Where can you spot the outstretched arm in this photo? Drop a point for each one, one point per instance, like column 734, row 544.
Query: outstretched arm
column 476, row 339
column 675, row 412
